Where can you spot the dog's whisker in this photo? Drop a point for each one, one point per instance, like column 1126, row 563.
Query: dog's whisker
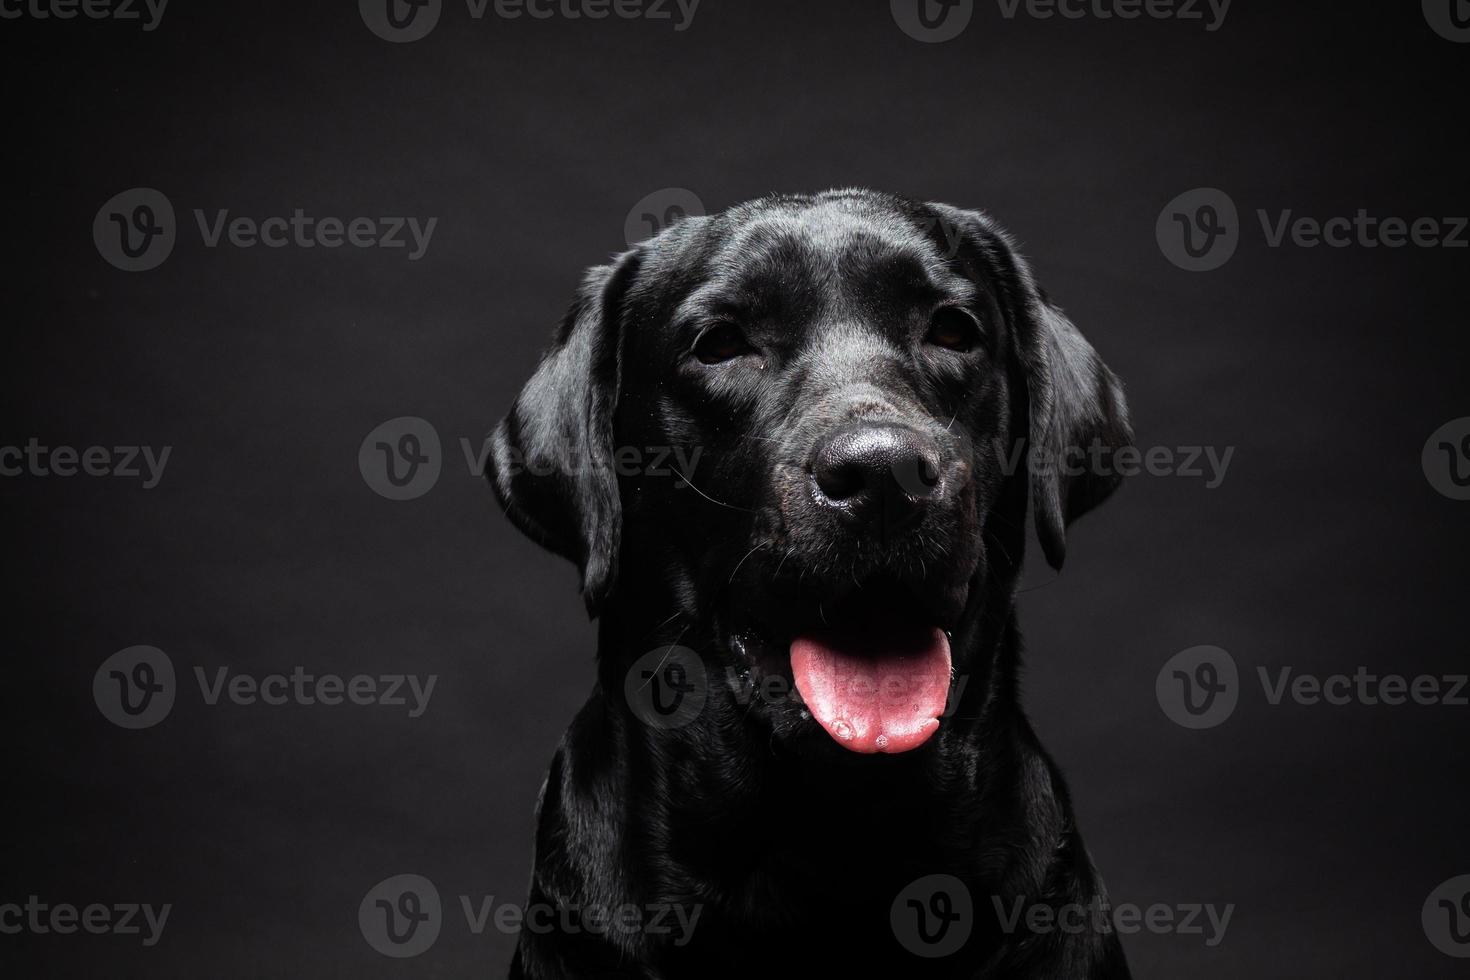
column 665, row 658
column 676, row 615
column 743, row 510
column 742, row 561
column 789, row 552
column 1002, row 548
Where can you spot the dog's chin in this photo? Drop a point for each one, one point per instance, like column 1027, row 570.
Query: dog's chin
column 865, row 669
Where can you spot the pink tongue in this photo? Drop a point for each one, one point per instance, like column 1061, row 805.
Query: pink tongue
column 877, row 690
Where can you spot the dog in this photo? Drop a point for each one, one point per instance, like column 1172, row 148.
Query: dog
column 877, row 391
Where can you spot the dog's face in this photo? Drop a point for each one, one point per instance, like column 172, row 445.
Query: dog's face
column 852, row 397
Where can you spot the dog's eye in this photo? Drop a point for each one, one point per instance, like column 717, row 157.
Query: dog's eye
column 722, row 342
column 954, row 329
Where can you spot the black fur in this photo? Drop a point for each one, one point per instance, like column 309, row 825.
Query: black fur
column 792, row 848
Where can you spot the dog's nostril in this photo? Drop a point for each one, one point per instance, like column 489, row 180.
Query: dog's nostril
column 917, row 474
column 839, row 480
column 885, row 469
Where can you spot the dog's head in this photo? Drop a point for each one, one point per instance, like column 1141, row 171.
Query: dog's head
column 805, row 431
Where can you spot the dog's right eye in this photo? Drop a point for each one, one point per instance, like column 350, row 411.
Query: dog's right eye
column 954, row 329
column 721, row 342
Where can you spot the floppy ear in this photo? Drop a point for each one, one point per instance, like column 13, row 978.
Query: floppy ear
column 551, row 460
column 1078, row 422
column 1078, row 418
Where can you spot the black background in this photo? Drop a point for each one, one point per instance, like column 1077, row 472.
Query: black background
column 1325, row 548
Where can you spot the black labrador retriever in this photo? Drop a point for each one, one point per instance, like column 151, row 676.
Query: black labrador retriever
column 805, row 749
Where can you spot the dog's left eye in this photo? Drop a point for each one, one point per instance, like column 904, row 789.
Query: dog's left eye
column 953, row 329
column 721, row 342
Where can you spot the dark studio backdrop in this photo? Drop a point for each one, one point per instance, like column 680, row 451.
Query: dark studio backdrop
column 1334, row 539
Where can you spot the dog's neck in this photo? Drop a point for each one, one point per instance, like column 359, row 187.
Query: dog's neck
column 736, row 801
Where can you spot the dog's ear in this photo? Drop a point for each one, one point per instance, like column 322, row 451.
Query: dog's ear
column 551, row 459
column 1078, row 422
column 1078, row 418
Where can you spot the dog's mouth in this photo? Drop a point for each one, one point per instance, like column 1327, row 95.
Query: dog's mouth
column 873, row 667
column 873, row 683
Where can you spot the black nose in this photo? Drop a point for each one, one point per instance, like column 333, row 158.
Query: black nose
column 878, row 474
